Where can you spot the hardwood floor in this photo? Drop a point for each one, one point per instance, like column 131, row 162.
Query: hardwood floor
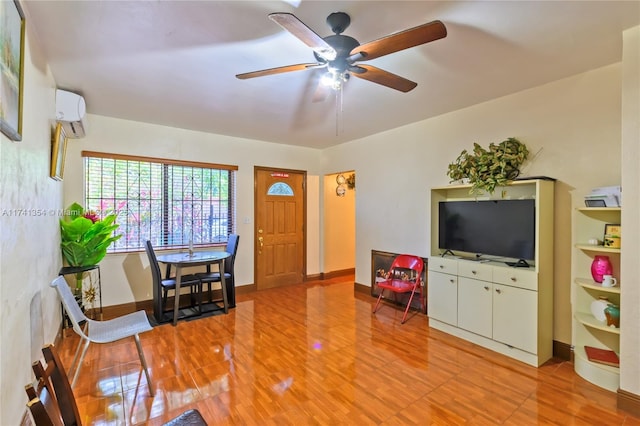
column 313, row 354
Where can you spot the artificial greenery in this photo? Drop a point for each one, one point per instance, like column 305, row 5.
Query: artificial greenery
column 85, row 238
column 486, row 169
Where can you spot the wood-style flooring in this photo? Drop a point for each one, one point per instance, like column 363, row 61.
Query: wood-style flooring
column 314, row 354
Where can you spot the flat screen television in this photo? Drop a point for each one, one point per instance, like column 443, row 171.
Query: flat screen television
column 502, row 228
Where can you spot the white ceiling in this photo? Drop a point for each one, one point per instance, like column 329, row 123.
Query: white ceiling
column 174, row 62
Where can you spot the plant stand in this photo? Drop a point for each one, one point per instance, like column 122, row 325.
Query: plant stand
column 92, row 269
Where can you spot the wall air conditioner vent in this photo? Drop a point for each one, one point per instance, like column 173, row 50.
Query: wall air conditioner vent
column 70, row 112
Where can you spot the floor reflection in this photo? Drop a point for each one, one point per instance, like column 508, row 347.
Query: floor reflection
column 315, row 354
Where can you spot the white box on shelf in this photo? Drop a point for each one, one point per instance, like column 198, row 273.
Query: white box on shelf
column 606, row 196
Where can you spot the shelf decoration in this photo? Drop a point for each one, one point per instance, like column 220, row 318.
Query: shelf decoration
column 612, row 313
column 612, row 235
column 487, row 169
column 601, row 266
column 598, row 307
column 602, row 356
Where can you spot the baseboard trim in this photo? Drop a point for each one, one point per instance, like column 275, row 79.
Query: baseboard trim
column 629, row 402
column 245, row 289
column 562, row 351
column 338, row 273
column 314, row 277
column 361, row 288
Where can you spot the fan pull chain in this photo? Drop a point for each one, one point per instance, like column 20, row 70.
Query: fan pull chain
column 339, row 110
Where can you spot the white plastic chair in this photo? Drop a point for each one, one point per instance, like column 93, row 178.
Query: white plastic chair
column 129, row 325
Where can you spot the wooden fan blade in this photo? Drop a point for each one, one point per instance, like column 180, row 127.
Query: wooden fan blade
column 278, row 70
column 385, row 78
column 399, row 41
column 291, row 23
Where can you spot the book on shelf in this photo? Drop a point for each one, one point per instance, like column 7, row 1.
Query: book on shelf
column 602, row 356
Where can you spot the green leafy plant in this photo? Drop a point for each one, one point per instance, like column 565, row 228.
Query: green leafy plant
column 85, row 238
column 488, row 168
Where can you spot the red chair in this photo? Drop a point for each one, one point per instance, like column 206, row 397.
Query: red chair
column 404, row 276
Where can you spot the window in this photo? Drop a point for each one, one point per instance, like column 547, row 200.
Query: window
column 280, row 188
column 168, row 202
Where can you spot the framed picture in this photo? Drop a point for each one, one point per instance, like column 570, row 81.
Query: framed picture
column 612, row 235
column 58, row 152
column 11, row 68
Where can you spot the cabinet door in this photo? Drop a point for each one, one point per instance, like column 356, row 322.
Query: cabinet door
column 474, row 306
column 443, row 297
column 515, row 317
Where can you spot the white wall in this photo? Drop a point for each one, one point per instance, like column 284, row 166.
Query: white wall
column 126, row 278
column 630, row 267
column 30, row 244
column 575, row 122
column 339, row 225
column 313, row 225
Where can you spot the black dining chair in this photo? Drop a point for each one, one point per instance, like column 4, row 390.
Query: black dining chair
column 209, row 277
column 168, row 283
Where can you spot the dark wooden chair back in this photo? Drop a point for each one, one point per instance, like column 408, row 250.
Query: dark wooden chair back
column 52, row 401
column 232, row 247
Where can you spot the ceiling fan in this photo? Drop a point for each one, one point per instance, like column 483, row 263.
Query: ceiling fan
column 340, row 54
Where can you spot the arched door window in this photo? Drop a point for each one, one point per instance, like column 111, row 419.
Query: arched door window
column 280, row 188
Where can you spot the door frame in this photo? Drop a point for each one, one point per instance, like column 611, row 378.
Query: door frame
column 255, row 216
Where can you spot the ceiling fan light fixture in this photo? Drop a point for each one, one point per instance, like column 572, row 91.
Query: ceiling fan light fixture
column 328, row 54
column 340, row 53
column 334, row 79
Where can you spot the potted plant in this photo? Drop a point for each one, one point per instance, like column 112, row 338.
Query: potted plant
column 485, row 169
column 85, row 238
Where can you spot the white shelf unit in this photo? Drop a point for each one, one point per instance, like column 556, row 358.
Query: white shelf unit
column 505, row 309
column 588, row 224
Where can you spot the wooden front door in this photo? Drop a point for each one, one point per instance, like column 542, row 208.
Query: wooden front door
column 280, row 218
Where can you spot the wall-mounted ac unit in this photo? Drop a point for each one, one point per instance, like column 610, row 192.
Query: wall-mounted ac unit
column 70, row 111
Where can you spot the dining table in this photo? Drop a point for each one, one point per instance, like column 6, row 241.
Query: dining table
column 188, row 259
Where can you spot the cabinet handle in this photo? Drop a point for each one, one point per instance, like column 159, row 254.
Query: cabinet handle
column 498, row 291
column 441, row 266
column 452, row 281
column 513, row 279
column 473, row 272
column 486, row 287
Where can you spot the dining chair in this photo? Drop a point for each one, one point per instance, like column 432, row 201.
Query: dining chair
column 52, row 402
column 405, row 276
column 52, row 399
column 129, row 325
column 168, row 283
column 43, row 406
column 209, row 277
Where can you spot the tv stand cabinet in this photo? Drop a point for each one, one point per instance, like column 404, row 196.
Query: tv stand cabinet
column 506, row 309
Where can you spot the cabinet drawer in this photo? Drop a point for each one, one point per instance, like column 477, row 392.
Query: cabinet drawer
column 475, row 270
column 522, row 278
column 447, row 266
